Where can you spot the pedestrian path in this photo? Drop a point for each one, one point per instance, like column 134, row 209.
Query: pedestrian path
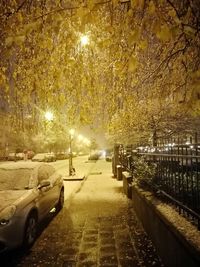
column 98, row 229
column 73, row 183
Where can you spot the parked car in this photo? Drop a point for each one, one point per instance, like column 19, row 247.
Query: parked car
column 12, row 156
column 50, row 157
column 15, row 156
column 44, row 157
column 109, row 156
column 40, row 157
column 20, row 156
column 94, row 156
column 62, row 155
column 3, row 157
column 28, row 191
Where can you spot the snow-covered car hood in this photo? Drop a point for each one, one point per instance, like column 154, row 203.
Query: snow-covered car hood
column 10, row 197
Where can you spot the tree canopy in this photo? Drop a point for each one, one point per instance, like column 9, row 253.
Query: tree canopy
column 139, row 75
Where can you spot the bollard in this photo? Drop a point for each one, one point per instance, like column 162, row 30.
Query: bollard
column 127, row 183
column 119, row 172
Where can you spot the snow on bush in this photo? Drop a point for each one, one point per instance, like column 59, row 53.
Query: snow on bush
column 144, row 172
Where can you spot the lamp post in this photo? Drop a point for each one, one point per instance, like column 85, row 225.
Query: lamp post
column 71, row 133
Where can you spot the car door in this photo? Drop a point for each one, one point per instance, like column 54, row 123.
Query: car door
column 56, row 185
column 45, row 200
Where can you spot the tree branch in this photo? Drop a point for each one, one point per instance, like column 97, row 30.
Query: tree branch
column 8, row 14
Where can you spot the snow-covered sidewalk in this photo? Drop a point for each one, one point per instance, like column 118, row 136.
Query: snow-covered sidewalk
column 73, row 183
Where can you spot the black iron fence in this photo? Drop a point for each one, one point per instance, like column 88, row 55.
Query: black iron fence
column 177, row 175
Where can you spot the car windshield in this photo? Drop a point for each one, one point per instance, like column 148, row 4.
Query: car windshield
column 15, row 179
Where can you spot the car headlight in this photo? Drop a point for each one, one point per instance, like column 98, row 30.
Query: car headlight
column 7, row 214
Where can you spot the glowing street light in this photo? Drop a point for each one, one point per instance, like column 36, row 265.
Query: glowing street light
column 84, row 40
column 48, row 116
column 80, row 137
column 72, row 131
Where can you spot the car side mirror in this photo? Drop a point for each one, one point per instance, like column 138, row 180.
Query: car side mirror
column 44, row 183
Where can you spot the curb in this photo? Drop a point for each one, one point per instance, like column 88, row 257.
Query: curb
column 74, row 178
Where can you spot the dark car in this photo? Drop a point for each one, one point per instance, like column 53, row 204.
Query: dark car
column 93, row 156
column 109, row 156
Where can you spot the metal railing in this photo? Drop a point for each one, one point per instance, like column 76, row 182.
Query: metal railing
column 177, row 177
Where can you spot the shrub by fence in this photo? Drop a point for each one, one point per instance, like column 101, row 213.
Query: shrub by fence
column 173, row 171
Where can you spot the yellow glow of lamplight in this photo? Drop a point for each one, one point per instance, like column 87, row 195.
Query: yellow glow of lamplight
column 72, row 131
column 84, row 40
column 80, row 137
column 49, row 116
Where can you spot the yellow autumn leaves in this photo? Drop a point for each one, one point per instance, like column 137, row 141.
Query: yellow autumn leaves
column 3, row 77
column 20, row 35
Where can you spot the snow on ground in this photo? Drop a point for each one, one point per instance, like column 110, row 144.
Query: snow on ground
column 83, row 168
column 101, row 194
column 185, row 227
column 182, row 224
column 191, row 233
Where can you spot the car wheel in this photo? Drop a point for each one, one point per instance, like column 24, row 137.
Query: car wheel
column 61, row 200
column 30, row 230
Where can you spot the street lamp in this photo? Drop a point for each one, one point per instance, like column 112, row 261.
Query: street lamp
column 80, row 137
column 84, row 40
column 71, row 134
column 48, row 116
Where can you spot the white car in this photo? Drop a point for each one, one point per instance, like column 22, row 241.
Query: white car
column 41, row 157
column 44, row 157
column 28, row 191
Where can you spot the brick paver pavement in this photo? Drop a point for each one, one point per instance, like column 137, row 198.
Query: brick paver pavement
column 98, row 229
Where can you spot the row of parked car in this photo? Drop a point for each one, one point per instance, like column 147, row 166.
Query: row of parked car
column 107, row 154
column 40, row 157
column 19, row 156
column 44, row 157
